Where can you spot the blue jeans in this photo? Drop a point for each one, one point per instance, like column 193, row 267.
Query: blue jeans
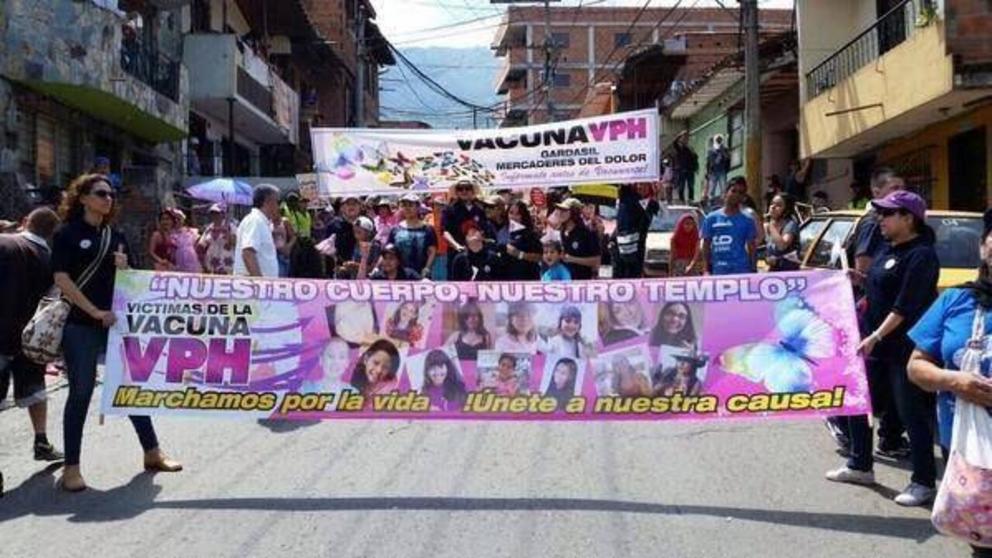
column 82, row 346
column 916, row 409
column 717, row 184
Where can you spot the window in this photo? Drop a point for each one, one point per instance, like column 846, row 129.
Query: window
column 621, row 40
column 808, row 233
column 829, row 251
column 735, row 135
column 561, row 79
column 560, row 40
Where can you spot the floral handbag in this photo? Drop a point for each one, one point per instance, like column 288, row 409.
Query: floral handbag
column 963, row 507
column 41, row 340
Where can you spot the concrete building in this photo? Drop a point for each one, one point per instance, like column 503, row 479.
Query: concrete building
column 903, row 83
column 663, row 51
column 263, row 73
column 83, row 79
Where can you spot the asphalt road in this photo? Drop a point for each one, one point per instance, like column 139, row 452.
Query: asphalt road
column 427, row 490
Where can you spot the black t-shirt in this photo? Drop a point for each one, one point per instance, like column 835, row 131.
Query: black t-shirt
column 902, row 279
column 402, row 274
column 581, row 243
column 475, row 266
column 75, row 246
column 515, row 269
column 457, row 219
column 344, row 239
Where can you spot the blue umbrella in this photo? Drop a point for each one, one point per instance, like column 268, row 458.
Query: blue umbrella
column 222, row 190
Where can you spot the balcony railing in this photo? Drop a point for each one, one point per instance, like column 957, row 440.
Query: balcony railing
column 894, row 27
column 254, row 92
column 151, row 67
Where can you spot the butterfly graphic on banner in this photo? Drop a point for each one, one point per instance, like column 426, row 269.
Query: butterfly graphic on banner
column 784, row 361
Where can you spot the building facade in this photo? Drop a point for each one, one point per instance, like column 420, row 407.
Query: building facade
column 592, row 45
column 902, row 83
column 81, row 80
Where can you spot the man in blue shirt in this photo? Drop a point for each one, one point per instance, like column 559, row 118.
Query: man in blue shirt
column 729, row 236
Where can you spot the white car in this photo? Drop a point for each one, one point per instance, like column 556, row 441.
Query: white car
column 659, row 241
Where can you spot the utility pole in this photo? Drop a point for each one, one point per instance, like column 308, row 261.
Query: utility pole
column 475, row 121
column 360, row 68
column 752, row 99
column 548, row 46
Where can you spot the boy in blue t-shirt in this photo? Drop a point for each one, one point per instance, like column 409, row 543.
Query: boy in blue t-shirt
column 554, row 270
column 729, row 235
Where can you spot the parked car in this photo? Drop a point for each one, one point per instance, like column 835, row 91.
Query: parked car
column 825, row 238
column 659, row 240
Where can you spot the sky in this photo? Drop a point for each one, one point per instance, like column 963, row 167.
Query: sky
column 413, row 23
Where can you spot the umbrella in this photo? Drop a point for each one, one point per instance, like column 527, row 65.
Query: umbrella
column 222, row 190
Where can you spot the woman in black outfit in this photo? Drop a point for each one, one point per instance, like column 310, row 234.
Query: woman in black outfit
column 900, row 286
column 524, row 249
column 88, row 209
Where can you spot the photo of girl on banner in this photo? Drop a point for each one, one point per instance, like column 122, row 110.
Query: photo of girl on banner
column 466, row 329
column 621, row 321
column 406, row 321
column 355, row 322
column 562, row 332
column 328, row 375
column 504, row 373
column 679, row 372
column 623, row 372
column 519, row 332
column 437, row 375
column 377, row 369
column 677, row 326
column 561, row 380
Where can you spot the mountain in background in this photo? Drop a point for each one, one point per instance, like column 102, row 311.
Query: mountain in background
column 469, row 73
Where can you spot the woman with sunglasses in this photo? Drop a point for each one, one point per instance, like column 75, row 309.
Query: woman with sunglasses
column 88, row 240
column 900, row 285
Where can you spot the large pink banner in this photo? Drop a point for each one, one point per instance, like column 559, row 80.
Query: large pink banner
column 773, row 345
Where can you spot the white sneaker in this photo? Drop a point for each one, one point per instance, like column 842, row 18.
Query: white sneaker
column 851, row 476
column 916, row 495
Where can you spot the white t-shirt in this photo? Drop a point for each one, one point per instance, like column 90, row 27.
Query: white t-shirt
column 255, row 231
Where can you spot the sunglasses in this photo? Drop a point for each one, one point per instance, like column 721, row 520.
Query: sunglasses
column 103, row 194
column 464, row 188
column 888, row 212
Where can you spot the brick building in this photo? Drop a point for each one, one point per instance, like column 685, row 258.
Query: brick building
column 592, row 45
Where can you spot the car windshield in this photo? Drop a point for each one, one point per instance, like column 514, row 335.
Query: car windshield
column 665, row 220
column 958, row 239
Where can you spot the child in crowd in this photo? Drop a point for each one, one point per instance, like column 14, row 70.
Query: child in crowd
column 554, row 269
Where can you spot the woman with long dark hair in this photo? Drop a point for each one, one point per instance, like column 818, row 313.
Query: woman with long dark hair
column 782, row 235
column 674, row 327
column 442, row 382
column 900, row 285
column 472, row 335
column 375, row 372
column 161, row 244
column 86, row 253
column 524, row 247
column 562, row 384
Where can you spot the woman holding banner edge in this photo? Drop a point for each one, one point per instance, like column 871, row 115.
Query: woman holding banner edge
column 900, row 285
column 86, row 253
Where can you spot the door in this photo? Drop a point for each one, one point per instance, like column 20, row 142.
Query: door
column 967, row 168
